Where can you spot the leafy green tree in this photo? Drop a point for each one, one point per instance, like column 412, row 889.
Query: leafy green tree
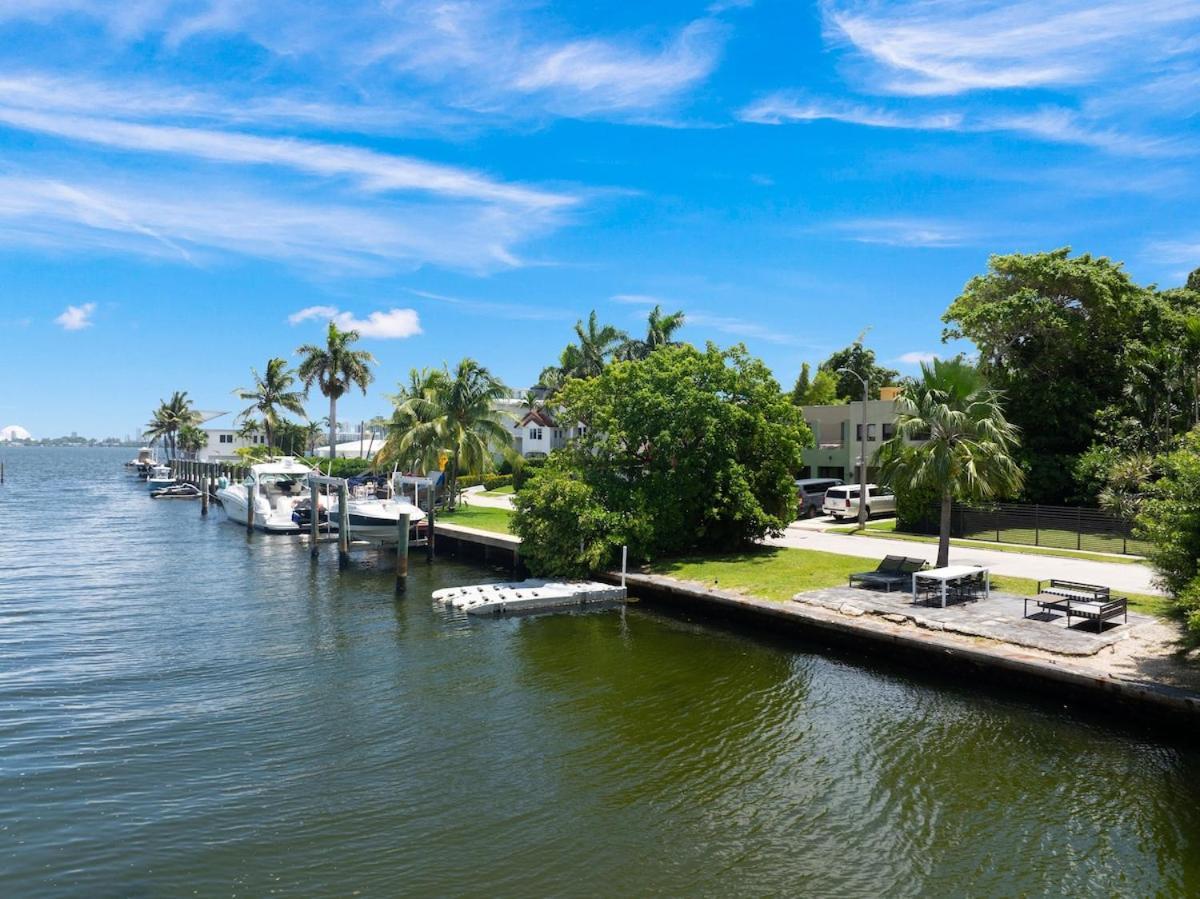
column 335, row 368
column 1055, row 334
column 823, row 390
column 169, row 417
column 271, row 395
column 1169, row 518
column 967, row 443
column 455, row 413
column 860, row 360
column 802, row 386
column 660, row 332
column 683, row 450
column 405, row 446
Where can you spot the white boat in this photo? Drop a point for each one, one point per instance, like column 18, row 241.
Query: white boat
column 376, row 520
column 274, row 487
column 143, row 463
column 160, row 477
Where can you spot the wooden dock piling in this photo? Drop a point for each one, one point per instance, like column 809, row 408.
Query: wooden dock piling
column 251, row 492
column 204, row 495
column 343, row 525
column 402, row 553
column 314, row 526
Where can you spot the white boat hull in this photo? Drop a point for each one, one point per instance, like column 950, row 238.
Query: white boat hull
column 276, row 520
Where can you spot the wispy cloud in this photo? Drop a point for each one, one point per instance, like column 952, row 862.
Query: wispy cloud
column 916, row 358
column 743, row 327
column 953, row 46
column 637, row 299
column 391, row 324
column 76, row 318
column 497, row 309
column 904, row 232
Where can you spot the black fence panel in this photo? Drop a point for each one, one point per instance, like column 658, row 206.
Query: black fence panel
column 1062, row 527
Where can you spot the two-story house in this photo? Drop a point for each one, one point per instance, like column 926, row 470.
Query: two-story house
column 839, row 438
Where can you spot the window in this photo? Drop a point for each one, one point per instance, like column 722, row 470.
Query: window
column 831, row 471
column 225, row 438
column 870, row 433
column 882, row 491
column 858, row 433
column 535, row 433
column 805, row 471
column 889, row 431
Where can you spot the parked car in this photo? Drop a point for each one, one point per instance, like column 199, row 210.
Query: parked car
column 842, row 502
column 810, row 494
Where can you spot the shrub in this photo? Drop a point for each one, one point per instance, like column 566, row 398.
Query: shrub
column 565, row 529
column 1170, row 520
column 341, row 468
column 496, row 481
column 524, row 470
column 469, row 480
column 917, row 510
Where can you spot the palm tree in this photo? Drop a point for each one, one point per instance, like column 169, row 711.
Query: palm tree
column 660, row 332
column 312, row 433
column 415, row 452
column 597, row 346
column 169, row 417
column 968, row 444
column 455, row 414
column 191, row 439
column 272, row 393
column 335, row 368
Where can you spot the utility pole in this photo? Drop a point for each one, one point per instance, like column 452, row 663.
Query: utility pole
column 862, row 453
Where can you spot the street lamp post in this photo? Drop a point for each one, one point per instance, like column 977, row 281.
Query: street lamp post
column 862, row 453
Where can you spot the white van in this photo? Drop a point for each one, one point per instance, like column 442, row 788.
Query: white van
column 842, row 502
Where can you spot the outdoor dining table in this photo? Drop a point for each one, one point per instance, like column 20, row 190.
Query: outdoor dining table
column 953, row 573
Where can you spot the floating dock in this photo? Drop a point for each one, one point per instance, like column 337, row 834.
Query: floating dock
column 529, row 596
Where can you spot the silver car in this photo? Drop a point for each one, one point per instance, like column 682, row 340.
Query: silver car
column 810, row 495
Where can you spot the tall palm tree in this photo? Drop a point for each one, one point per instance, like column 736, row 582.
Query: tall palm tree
column 271, row 394
column 660, row 332
column 191, row 440
column 968, row 444
column 597, row 345
column 455, row 414
column 169, row 417
column 335, row 368
column 401, row 447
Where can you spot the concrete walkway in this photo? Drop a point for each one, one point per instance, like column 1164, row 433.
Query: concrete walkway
column 474, row 497
column 1120, row 577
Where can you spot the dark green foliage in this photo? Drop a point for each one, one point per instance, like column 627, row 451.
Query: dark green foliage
column 524, row 469
column 342, row 467
column 861, row 360
column 801, row 387
column 917, row 509
column 684, row 450
column 1170, row 520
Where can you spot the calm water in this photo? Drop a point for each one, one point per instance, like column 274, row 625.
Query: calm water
column 185, row 712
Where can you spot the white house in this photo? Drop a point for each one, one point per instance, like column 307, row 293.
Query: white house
column 537, row 433
column 224, row 439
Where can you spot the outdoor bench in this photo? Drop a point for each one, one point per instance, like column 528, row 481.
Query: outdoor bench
column 1078, row 600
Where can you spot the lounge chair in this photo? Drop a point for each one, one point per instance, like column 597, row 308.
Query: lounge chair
column 893, row 571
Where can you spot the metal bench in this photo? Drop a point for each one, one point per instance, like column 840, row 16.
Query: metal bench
column 1078, row 600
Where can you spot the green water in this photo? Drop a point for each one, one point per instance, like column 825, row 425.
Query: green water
column 183, row 711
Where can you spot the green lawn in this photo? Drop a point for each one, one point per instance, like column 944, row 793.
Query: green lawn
column 484, row 518
column 499, row 491
column 777, row 573
column 887, row 529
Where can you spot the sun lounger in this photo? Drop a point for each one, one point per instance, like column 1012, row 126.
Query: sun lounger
column 893, row 571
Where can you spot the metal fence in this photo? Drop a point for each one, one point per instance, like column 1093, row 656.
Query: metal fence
column 1063, row 527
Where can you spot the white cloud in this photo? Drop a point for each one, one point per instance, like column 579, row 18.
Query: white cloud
column 952, row 46
column 394, row 324
column 916, row 358
column 904, row 232
column 511, row 311
column 76, row 318
column 370, row 170
column 784, row 107
column 190, row 218
column 741, row 327
column 326, row 312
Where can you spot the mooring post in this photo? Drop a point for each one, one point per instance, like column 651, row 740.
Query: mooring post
column 250, row 495
column 204, row 495
column 314, row 528
column 429, row 532
column 1, row 472
column 343, row 524
column 402, row 553
column 624, row 562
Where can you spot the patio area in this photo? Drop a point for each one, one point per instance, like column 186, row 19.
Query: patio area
column 998, row 617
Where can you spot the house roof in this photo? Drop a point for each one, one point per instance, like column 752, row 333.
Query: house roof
column 537, row 416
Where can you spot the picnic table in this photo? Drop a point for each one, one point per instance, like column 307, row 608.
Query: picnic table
column 951, row 574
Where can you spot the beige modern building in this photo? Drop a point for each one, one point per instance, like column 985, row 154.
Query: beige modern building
column 839, row 438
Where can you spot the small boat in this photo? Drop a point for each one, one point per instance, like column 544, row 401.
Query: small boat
column 377, row 519
column 275, row 488
column 160, row 476
column 145, row 459
column 176, row 491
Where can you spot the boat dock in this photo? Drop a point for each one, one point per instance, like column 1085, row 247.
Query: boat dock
column 530, row 596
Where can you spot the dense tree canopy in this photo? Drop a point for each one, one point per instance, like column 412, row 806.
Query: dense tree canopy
column 683, row 450
column 860, row 360
column 1077, row 348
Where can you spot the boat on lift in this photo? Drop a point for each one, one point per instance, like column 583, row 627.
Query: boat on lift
column 160, row 476
column 275, row 488
column 143, row 463
column 374, row 512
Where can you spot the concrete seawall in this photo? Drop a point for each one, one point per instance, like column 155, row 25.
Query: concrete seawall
column 1168, row 704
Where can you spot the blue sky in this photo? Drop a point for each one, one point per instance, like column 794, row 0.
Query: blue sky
column 180, row 181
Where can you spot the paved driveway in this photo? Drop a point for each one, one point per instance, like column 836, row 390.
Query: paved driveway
column 1132, row 578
